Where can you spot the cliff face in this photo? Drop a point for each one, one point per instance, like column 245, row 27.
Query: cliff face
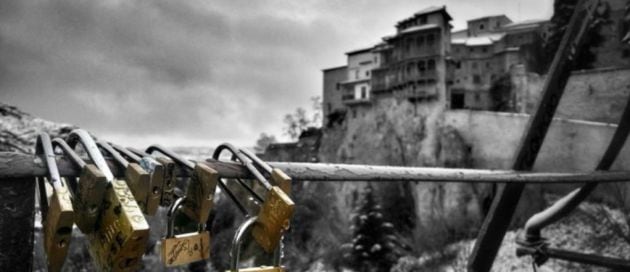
column 18, row 130
column 396, row 132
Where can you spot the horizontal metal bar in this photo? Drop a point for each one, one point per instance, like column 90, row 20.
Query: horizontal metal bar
column 572, row 256
column 16, row 165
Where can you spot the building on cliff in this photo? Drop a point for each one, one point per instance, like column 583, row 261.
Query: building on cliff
column 425, row 61
column 489, row 49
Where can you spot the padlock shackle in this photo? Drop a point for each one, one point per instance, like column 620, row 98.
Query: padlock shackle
column 172, row 155
column 44, row 147
column 69, row 152
column 109, row 149
column 244, row 160
column 138, row 152
column 170, row 216
column 124, row 151
column 83, row 137
column 257, row 161
column 237, row 241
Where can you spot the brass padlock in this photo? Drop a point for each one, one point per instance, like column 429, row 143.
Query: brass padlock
column 137, row 179
column 156, row 171
column 236, row 251
column 168, row 187
column 56, row 206
column 200, row 193
column 122, row 232
column 88, row 196
column 275, row 215
column 121, row 239
column 183, row 248
column 274, row 219
column 201, row 187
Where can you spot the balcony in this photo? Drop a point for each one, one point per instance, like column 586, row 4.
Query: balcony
column 349, row 99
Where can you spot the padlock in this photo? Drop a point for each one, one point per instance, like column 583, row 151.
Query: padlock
column 122, row 232
column 201, row 187
column 274, row 219
column 236, row 251
column 137, row 179
column 183, row 248
column 275, row 215
column 88, row 196
column 120, row 241
column 156, row 171
column 56, row 204
column 200, row 193
column 168, row 187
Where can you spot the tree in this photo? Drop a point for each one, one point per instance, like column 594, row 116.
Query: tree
column 298, row 122
column 374, row 246
column 263, row 141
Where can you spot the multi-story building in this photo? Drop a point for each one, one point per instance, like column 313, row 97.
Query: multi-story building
column 413, row 61
column 333, row 107
column 425, row 61
column 487, row 50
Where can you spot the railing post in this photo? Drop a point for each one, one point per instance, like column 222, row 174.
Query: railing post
column 17, row 211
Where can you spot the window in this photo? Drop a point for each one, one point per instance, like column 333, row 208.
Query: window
column 430, row 39
column 354, row 113
column 481, row 26
column 473, row 65
column 458, row 64
column 431, row 65
column 363, row 92
column 421, row 66
column 367, row 73
column 338, row 86
column 487, row 64
column 423, row 20
column 477, row 97
column 409, row 68
column 356, row 74
column 471, row 50
column 484, row 49
column 408, row 44
column 420, row 41
column 476, row 79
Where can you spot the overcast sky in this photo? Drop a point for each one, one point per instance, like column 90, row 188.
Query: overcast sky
column 195, row 72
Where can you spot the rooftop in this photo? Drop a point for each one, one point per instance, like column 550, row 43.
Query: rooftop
column 335, row 68
column 361, row 50
column 419, row 28
column 524, row 24
column 486, row 39
column 429, row 10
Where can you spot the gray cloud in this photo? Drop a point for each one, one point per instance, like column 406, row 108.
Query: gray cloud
column 181, row 72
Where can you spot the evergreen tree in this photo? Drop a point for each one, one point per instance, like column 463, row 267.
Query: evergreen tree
column 374, row 246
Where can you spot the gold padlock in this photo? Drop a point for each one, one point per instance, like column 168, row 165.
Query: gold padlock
column 122, row 233
column 168, row 187
column 274, row 219
column 137, row 179
column 156, row 170
column 56, row 206
column 275, row 215
column 200, row 193
column 201, row 187
column 90, row 191
column 183, row 248
column 121, row 239
column 236, row 251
